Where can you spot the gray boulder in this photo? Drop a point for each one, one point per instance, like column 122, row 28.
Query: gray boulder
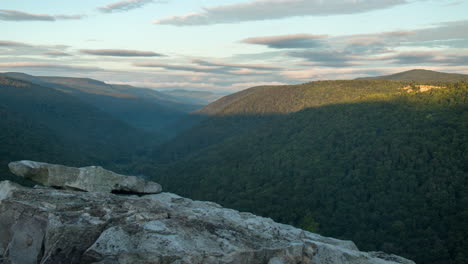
column 90, row 179
column 39, row 225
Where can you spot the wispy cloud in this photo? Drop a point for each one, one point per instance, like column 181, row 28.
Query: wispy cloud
column 123, row 6
column 56, row 54
column 176, row 67
column 442, row 34
column 121, row 53
column 276, row 9
column 44, row 65
column 288, row 41
column 233, row 66
column 201, row 66
column 14, row 15
column 6, row 43
column 362, row 49
column 427, row 58
column 10, row 48
column 325, row 58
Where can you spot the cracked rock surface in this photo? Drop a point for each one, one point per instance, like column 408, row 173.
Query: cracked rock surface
column 39, row 225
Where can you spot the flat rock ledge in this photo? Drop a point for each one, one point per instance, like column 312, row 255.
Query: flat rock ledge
column 46, row 225
column 89, row 179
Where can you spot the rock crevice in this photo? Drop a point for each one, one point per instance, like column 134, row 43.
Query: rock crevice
column 39, row 225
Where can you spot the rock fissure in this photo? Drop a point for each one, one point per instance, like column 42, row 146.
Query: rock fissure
column 69, row 226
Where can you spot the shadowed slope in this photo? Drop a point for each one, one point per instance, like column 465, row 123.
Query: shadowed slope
column 80, row 128
column 387, row 170
column 142, row 108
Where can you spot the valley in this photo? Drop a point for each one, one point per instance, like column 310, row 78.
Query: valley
column 367, row 160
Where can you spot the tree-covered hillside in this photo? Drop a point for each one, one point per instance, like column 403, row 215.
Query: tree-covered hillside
column 139, row 107
column 238, row 113
column 376, row 164
column 44, row 124
column 383, row 163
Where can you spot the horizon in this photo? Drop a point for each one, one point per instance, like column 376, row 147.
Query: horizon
column 231, row 46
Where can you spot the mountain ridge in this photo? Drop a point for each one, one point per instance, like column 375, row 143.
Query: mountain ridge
column 142, row 108
column 365, row 153
column 421, row 75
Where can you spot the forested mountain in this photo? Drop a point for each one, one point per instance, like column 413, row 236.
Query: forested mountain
column 23, row 138
column 377, row 162
column 238, row 113
column 42, row 123
column 422, row 75
column 383, row 163
column 142, row 108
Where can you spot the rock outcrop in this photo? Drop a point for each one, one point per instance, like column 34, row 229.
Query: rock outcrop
column 46, row 225
column 90, row 179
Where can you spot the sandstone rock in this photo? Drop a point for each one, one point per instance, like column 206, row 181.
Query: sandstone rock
column 91, row 179
column 65, row 226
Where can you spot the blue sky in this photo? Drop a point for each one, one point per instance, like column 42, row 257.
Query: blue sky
column 231, row 45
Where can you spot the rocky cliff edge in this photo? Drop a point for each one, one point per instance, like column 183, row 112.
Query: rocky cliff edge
column 50, row 225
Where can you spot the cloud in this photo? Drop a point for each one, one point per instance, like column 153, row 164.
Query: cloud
column 428, row 58
column 234, row 66
column 121, row 53
column 455, row 3
column 14, row 15
column 56, row 54
column 6, row 43
column 288, row 41
column 448, row 34
column 201, row 66
column 123, row 6
column 44, row 65
column 255, row 10
column 174, row 67
column 374, row 48
column 327, row 58
column 11, row 48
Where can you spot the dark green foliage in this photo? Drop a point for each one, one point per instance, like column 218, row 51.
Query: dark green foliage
column 22, row 138
column 139, row 107
column 238, row 113
column 361, row 160
column 384, row 168
column 44, row 124
column 283, row 99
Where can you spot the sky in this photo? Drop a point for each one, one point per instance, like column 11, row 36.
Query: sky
column 230, row 45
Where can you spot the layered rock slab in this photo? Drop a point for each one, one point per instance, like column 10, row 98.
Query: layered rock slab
column 64, row 226
column 90, row 179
